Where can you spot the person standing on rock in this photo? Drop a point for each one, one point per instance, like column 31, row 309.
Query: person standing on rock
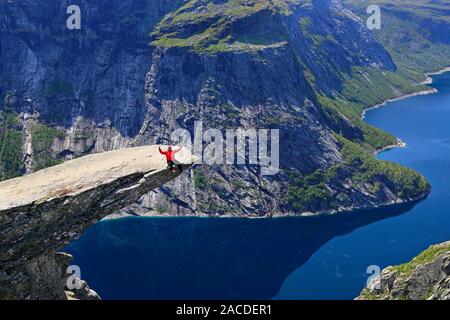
column 170, row 157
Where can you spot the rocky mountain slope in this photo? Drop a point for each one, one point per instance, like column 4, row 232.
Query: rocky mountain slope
column 42, row 212
column 426, row 277
column 306, row 67
column 416, row 33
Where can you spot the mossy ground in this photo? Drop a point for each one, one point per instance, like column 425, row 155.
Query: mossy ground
column 10, row 146
column 414, row 33
column 42, row 137
column 208, row 28
column 406, row 270
column 312, row 192
column 425, row 257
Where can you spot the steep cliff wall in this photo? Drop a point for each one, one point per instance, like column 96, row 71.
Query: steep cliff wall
column 262, row 65
column 42, row 212
column 251, row 64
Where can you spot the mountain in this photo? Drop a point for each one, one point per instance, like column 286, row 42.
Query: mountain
column 416, row 33
column 137, row 70
column 426, row 277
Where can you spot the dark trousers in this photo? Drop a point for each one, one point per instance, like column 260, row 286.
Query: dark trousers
column 171, row 165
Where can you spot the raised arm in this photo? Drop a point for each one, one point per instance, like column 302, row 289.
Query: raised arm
column 160, row 151
column 178, row 150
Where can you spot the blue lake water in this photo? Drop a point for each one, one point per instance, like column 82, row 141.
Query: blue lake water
column 287, row 258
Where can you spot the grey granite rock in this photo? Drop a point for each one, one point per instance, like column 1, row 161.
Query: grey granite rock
column 107, row 89
column 42, row 212
column 426, row 277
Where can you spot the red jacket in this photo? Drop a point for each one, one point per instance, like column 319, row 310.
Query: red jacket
column 170, row 155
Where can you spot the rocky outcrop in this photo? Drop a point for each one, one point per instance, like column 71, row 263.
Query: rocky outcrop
column 259, row 79
column 426, row 277
column 253, row 64
column 42, row 212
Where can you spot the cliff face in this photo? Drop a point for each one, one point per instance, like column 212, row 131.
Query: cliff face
column 426, row 277
column 97, row 73
column 231, row 64
column 256, row 79
column 42, row 212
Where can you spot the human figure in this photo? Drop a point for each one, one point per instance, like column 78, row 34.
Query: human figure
column 170, row 157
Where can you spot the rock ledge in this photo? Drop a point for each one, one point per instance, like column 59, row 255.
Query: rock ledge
column 42, row 212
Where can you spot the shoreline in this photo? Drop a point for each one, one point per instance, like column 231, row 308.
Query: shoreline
column 399, row 144
column 341, row 210
column 429, row 80
column 403, row 97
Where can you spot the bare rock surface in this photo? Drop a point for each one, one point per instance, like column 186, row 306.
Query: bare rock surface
column 42, row 212
column 80, row 175
column 426, row 277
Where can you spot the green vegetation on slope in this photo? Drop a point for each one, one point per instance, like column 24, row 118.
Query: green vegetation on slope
column 200, row 181
column 404, row 275
column 373, row 138
column 415, row 32
column 366, row 88
column 10, row 146
column 361, row 169
column 310, row 192
column 42, row 137
column 207, row 27
column 425, row 257
column 211, row 27
column 405, row 183
column 369, row 87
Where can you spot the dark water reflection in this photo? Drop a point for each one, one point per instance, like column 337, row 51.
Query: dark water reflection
column 290, row 258
column 197, row 258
